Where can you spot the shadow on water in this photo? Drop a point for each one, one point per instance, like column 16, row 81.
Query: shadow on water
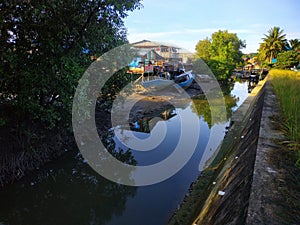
column 70, row 192
column 67, row 192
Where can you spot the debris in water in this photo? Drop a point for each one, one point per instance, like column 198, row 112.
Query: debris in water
column 222, row 193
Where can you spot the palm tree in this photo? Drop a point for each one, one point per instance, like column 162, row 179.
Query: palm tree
column 273, row 43
column 295, row 44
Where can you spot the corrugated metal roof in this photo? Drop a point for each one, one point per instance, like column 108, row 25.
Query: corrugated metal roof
column 156, row 44
column 144, row 51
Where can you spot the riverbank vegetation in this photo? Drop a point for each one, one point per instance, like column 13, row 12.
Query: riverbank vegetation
column 222, row 53
column 283, row 55
column 45, row 48
column 276, row 51
column 286, row 85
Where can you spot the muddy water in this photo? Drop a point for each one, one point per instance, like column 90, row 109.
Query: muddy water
column 69, row 192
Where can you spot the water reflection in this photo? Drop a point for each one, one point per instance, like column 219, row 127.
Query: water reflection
column 239, row 91
column 252, row 82
column 202, row 107
column 70, row 193
column 143, row 124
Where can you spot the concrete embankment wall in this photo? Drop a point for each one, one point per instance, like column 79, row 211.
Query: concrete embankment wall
column 264, row 195
column 234, row 188
column 228, row 200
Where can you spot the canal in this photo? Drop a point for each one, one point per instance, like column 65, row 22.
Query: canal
column 69, row 192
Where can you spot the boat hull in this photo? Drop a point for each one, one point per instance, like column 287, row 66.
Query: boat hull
column 184, row 81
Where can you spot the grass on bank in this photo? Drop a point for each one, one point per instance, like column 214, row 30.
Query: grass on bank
column 286, row 84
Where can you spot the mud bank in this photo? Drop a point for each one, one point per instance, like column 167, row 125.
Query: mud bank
column 17, row 163
column 225, row 192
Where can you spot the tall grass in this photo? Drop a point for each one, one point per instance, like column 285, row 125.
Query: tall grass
column 286, row 85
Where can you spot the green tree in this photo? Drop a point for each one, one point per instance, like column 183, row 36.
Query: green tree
column 273, row 43
column 46, row 46
column 225, row 47
column 222, row 53
column 294, row 44
column 202, row 49
column 288, row 59
column 225, row 53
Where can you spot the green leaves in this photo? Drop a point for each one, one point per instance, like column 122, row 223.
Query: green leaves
column 276, row 46
column 295, row 44
column 222, row 53
column 42, row 56
column 287, row 60
column 273, row 43
column 202, row 49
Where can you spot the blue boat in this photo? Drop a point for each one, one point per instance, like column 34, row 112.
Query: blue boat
column 184, row 80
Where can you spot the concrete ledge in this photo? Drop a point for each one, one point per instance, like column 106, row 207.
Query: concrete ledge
column 262, row 209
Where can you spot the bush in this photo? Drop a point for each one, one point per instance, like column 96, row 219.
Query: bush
column 287, row 60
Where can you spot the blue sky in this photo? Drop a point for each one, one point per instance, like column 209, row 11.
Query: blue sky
column 185, row 22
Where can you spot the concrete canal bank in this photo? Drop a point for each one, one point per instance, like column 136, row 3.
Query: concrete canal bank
column 238, row 187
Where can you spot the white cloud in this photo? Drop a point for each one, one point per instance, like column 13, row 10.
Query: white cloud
column 185, row 38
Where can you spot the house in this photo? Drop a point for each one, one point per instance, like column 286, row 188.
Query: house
column 168, row 52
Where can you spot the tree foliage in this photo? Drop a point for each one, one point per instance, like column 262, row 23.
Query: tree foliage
column 222, row 52
column 202, row 49
column 273, row 43
column 276, row 46
column 47, row 45
column 287, row 59
column 294, row 44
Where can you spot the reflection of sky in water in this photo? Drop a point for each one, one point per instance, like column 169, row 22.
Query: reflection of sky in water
column 155, row 199
column 67, row 191
column 155, row 204
column 240, row 90
column 166, row 134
